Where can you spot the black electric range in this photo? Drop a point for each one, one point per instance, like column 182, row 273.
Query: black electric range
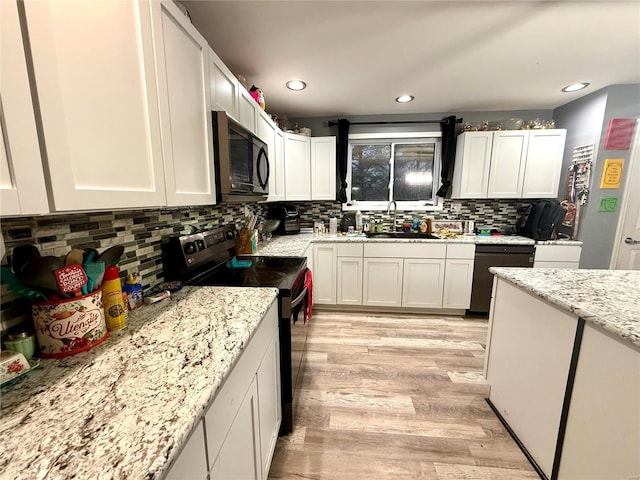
column 203, row 259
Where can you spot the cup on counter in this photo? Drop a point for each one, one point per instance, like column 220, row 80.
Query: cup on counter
column 23, row 342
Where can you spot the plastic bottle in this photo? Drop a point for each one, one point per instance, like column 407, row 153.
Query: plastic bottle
column 112, row 300
column 333, row 225
column 358, row 222
column 133, row 290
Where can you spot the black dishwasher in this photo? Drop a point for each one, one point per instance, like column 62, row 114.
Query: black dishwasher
column 494, row 256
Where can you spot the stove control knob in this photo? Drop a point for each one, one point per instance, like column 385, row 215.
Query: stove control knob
column 190, row 247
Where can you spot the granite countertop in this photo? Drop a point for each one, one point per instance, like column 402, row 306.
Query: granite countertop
column 609, row 299
column 125, row 408
column 295, row 245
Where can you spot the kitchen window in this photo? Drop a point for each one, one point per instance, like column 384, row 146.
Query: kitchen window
column 400, row 167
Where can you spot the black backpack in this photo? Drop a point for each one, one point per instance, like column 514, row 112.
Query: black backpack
column 539, row 219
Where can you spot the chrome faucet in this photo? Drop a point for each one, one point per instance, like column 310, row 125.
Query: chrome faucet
column 395, row 210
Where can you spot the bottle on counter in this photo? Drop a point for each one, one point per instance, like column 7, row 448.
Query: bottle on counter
column 333, row 225
column 358, row 222
column 133, row 291
column 112, row 300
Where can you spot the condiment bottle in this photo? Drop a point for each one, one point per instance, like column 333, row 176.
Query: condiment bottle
column 112, row 300
column 133, row 290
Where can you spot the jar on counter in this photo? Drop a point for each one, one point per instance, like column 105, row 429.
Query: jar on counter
column 21, row 341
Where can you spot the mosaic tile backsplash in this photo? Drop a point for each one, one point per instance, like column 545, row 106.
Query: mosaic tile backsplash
column 141, row 232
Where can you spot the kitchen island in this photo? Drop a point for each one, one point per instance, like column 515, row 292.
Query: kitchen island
column 563, row 362
column 126, row 408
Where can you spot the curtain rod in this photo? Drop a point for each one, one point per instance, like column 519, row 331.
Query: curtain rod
column 444, row 120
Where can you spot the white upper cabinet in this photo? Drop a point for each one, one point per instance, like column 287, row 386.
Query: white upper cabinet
column 297, row 167
column 508, row 164
column 270, row 134
column 22, row 185
column 544, row 163
column 95, row 76
column 323, row 168
column 506, row 172
column 224, row 87
column 182, row 59
column 247, row 110
column 471, row 171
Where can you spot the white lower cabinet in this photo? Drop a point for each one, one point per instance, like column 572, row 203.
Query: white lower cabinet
column 382, row 282
column 268, row 378
column 349, row 273
column 422, row 282
column 458, row 276
column 239, row 457
column 557, row 256
column 192, row 462
column 324, row 273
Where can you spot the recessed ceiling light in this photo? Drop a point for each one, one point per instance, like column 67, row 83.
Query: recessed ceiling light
column 296, row 85
column 404, row 98
column 574, row 87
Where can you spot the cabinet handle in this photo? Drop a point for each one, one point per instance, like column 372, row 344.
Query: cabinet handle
column 631, row 241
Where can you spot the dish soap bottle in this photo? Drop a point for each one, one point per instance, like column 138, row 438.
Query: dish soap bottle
column 112, row 300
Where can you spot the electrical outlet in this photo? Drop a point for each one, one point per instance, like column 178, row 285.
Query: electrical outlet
column 456, row 207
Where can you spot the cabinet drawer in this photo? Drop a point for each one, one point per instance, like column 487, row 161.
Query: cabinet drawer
column 350, row 249
column 537, row 264
column 463, row 251
column 558, row 253
column 405, row 250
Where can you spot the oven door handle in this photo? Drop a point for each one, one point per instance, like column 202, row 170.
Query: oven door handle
column 299, row 298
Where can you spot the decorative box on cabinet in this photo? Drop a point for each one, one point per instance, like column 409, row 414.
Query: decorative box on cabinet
column 104, row 150
column 22, row 184
column 182, row 58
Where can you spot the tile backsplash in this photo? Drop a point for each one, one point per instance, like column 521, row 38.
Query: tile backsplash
column 141, row 232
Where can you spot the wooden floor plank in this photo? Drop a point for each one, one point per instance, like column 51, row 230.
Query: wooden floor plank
column 386, row 396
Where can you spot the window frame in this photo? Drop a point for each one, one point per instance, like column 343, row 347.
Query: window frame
column 398, row 137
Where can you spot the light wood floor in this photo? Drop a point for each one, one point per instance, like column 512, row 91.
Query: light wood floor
column 396, row 397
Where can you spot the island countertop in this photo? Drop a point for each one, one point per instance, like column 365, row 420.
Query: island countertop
column 608, row 299
column 125, row 408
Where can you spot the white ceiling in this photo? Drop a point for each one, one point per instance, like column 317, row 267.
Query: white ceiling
column 453, row 56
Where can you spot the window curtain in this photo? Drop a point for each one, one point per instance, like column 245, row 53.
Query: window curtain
column 342, row 158
column 448, row 128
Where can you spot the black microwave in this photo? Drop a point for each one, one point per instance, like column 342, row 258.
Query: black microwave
column 241, row 162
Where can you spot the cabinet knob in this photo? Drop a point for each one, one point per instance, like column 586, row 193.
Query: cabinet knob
column 631, row 241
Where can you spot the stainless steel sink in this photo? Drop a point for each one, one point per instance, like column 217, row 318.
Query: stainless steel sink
column 425, row 236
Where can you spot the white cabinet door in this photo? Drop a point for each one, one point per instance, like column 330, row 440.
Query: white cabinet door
column 239, row 457
column 423, row 282
column 270, row 414
column 192, row 461
column 247, row 110
column 506, row 173
column 324, row 274
column 277, row 169
column 182, row 58
column 223, row 87
column 22, row 185
column 382, row 282
column 273, row 137
column 297, row 163
column 458, row 278
column 471, row 171
column 95, row 75
column 349, row 281
column 323, row 168
column 543, row 165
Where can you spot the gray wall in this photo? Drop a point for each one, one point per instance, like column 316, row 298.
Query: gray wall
column 587, row 121
column 319, row 125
